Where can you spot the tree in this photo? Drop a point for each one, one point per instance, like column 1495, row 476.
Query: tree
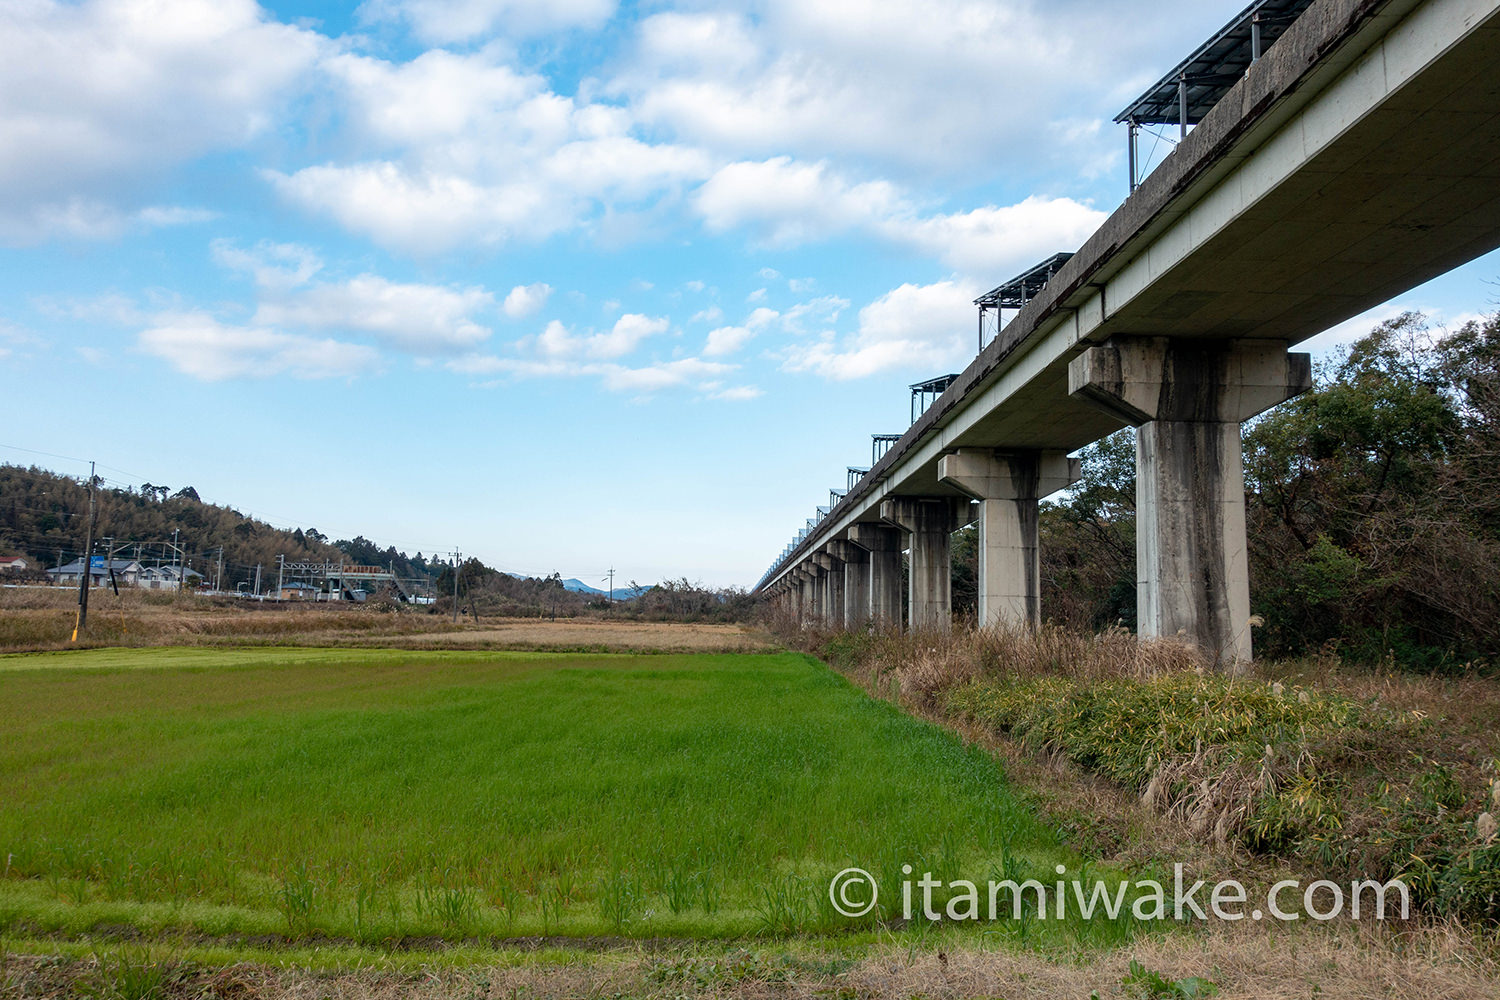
column 1370, row 528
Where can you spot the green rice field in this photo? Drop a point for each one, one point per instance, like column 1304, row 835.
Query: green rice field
column 366, row 796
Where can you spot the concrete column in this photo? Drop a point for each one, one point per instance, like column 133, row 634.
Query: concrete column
column 816, row 592
column 798, row 591
column 883, row 543
column 856, row 582
column 1008, row 486
column 1187, row 400
column 930, row 522
column 833, row 588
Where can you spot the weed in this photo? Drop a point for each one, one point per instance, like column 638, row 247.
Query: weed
column 297, row 898
column 132, row 974
column 619, row 900
column 785, row 905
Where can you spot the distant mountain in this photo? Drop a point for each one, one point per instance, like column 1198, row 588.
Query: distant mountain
column 622, row 593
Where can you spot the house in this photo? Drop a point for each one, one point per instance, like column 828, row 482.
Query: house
column 127, row 572
column 14, row 564
column 167, row 578
column 298, row 591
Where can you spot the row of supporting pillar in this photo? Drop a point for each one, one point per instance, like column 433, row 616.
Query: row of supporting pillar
column 854, row 582
column 1187, row 400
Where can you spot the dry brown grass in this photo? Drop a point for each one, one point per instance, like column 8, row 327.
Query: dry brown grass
column 531, row 633
column 1245, row 962
column 43, row 618
column 918, row 667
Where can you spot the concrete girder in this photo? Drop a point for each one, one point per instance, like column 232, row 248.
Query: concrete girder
column 1008, row 486
column 883, row 543
column 1187, row 400
column 930, row 522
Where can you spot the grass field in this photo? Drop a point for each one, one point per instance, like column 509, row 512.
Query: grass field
column 366, row 796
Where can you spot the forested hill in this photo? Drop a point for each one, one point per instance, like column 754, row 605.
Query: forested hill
column 43, row 514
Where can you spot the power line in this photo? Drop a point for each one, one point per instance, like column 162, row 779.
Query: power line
column 49, row 454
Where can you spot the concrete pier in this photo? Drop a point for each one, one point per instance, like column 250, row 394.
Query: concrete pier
column 883, row 543
column 817, row 593
column 1008, row 486
column 833, row 589
column 929, row 522
column 1187, row 400
column 856, row 582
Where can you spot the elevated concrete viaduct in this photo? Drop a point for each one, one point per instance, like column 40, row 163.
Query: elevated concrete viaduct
column 1357, row 158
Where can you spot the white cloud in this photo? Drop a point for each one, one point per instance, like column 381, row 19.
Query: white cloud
column 420, row 319
column 728, row 339
column 87, row 219
column 697, row 373
column 13, row 337
column 417, row 318
column 422, row 212
column 527, row 300
column 442, row 22
column 788, row 203
column 784, row 203
column 710, row 315
column 738, row 393
column 963, row 86
column 558, row 342
column 198, row 345
column 913, row 326
column 97, row 99
column 664, row 375
column 993, row 240
column 452, row 149
column 272, row 265
column 626, row 335
column 822, row 311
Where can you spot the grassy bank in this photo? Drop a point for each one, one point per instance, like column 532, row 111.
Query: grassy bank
column 382, row 795
column 1340, row 772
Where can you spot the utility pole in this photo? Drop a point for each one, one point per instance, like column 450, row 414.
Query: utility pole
column 219, row 576
column 280, row 569
column 257, row 581
column 176, row 551
column 88, row 564
column 455, row 585
column 611, row 586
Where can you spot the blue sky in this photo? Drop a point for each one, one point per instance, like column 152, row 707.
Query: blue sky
column 565, row 283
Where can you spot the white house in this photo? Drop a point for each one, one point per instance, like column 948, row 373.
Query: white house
column 127, row 572
column 166, row 578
